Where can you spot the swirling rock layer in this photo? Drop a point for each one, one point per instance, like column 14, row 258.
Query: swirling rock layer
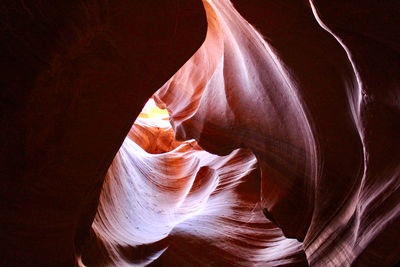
column 166, row 206
column 295, row 103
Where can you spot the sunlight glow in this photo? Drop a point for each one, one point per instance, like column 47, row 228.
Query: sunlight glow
column 151, row 110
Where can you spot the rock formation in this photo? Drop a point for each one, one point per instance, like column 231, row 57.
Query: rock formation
column 280, row 147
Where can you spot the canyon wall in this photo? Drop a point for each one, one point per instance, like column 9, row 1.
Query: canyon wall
column 282, row 147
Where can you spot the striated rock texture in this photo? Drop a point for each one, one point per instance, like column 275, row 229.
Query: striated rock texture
column 179, row 204
column 310, row 106
column 293, row 108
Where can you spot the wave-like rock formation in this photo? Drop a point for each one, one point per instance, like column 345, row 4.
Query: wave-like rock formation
column 310, row 129
column 280, row 147
column 165, row 200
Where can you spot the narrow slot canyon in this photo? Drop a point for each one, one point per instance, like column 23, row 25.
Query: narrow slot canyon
column 200, row 133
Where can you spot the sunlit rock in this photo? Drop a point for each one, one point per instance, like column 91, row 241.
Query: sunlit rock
column 165, row 201
column 275, row 140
